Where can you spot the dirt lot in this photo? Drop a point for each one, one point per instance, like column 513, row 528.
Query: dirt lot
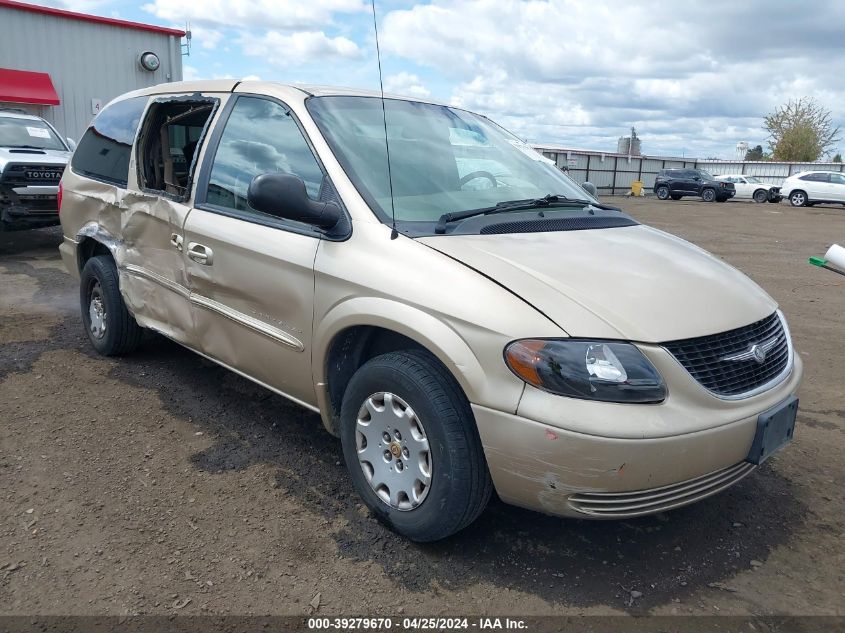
column 160, row 483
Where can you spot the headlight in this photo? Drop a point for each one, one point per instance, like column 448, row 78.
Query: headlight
column 591, row 370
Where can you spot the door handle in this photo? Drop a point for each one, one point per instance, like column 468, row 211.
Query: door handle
column 176, row 241
column 200, row 254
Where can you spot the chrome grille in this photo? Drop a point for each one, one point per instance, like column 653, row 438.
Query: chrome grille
column 709, row 358
column 619, row 505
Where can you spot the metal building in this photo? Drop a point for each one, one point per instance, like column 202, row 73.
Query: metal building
column 64, row 66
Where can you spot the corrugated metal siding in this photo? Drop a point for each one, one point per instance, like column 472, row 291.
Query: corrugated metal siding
column 85, row 61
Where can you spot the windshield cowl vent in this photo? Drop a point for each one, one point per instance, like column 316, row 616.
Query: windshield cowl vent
column 541, row 225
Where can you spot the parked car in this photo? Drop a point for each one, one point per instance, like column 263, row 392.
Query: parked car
column 677, row 183
column 32, row 159
column 813, row 187
column 518, row 336
column 752, row 188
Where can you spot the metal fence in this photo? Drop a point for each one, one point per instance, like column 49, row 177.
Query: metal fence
column 613, row 173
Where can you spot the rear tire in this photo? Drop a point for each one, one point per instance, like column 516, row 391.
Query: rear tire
column 798, row 198
column 708, row 195
column 760, row 196
column 662, row 192
column 110, row 328
column 431, row 480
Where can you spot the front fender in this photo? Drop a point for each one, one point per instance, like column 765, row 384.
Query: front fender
column 433, row 334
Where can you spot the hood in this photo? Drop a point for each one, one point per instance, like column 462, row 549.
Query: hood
column 634, row 283
column 33, row 156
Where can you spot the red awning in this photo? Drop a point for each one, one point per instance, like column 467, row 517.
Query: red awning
column 21, row 86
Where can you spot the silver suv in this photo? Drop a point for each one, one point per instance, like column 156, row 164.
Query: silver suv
column 467, row 319
column 32, row 159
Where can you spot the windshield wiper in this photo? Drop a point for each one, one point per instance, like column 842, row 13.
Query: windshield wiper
column 516, row 205
column 24, row 147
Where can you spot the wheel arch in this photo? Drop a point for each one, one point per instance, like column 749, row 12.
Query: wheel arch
column 361, row 328
column 91, row 240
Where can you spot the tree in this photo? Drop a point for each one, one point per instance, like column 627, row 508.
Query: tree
column 755, row 153
column 801, row 130
column 837, row 158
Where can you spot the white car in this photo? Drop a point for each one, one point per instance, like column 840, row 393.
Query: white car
column 813, row 187
column 753, row 188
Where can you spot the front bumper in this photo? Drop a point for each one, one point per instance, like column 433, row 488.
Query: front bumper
column 542, row 465
column 28, row 207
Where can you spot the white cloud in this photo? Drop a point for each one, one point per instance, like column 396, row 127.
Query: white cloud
column 407, row 84
column 251, row 78
column 300, row 48
column 287, row 15
column 190, row 73
column 581, row 73
column 207, row 38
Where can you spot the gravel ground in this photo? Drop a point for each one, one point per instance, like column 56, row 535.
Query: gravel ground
column 163, row 484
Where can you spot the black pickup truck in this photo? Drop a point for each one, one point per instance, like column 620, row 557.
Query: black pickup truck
column 677, row 183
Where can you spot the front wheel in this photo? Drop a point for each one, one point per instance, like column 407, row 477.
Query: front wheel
column 662, row 192
column 760, row 196
column 411, row 446
column 708, row 195
column 798, row 198
column 110, row 328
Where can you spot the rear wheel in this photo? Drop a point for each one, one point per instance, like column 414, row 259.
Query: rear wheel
column 662, row 192
column 411, row 446
column 760, row 196
column 708, row 195
column 798, row 198
column 110, row 328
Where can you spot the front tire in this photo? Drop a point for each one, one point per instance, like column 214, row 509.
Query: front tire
column 411, row 446
column 110, row 328
column 798, row 198
column 760, row 196
column 662, row 192
column 708, row 195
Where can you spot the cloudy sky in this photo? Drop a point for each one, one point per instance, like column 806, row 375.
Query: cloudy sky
column 694, row 77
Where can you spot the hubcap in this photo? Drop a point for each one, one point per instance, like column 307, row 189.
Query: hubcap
column 393, row 451
column 97, row 312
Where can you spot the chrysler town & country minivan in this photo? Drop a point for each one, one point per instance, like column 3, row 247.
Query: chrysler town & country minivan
column 463, row 316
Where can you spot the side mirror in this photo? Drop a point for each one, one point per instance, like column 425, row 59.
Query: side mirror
column 71, row 143
column 696, row 177
column 590, row 188
column 284, row 196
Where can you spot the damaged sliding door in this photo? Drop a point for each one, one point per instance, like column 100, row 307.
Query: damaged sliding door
column 153, row 270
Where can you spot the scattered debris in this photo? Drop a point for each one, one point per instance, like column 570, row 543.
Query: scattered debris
column 756, row 563
column 181, row 604
column 30, row 511
column 315, row 601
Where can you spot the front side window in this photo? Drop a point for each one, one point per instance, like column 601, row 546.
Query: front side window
column 816, row 177
column 104, row 150
column 28, row 134
column 442, row 159
column 260, row 137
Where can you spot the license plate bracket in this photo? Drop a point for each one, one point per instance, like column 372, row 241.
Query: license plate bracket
column 775, row 428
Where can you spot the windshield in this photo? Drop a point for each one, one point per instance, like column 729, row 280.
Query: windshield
column 442, row 160
column 753, row 179
column 15, row 132
column 705, row 174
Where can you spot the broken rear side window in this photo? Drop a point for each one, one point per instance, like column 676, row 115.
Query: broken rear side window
column 169, row 144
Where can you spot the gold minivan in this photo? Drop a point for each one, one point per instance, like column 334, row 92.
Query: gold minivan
column 462, row 315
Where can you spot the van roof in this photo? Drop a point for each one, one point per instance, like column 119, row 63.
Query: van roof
column 229, row 85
